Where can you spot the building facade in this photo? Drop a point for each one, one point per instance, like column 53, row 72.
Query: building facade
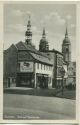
column 28, row 67
column 71, row 79
column 34, row 68
column 10, row 66
column 57, row 59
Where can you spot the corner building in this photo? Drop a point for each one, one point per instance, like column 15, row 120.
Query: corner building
column 34, row 68
column 31, row 67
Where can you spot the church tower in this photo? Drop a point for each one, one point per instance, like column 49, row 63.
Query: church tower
column 28, row 33
column 43, row 46
column 66, row 48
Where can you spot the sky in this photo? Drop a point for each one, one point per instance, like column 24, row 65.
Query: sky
column 53, row 16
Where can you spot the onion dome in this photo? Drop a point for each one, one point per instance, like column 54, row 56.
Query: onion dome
column 66, row 39
column 43, row 46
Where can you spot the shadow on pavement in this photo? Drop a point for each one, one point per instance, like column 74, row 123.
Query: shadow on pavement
column 52, row 92
column 32, row 91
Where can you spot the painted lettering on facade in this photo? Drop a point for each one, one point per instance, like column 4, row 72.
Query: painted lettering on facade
column 26, row 66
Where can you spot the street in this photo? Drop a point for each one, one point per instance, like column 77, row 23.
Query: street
column 38, row 107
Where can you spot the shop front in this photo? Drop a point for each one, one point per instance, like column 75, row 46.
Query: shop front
column 59, row 83
column 25, row 80
column 42, row 80
column 25, row 75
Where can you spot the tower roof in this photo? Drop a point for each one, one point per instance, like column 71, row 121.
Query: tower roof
column 43, row 31
column 29, row 22
column 66, row 39
column 66, row 34
column 43, row 46
column 43, row 34
column 28, row 33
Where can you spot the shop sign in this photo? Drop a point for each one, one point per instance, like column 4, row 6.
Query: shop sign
column 26, row 66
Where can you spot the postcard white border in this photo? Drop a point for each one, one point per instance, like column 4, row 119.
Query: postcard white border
column 77, row 120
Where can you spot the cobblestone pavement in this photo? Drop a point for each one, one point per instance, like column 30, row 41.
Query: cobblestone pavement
column 37, row 107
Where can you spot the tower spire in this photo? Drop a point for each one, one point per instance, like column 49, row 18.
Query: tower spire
column 43, row 34
column 43, row 46
column 66, row 34
column 28, row 33
column 66, row 48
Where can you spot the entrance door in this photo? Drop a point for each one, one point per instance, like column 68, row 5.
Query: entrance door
column 42, row 81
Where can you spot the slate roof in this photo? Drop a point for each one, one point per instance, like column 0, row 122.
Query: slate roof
column 23, row 46
column 20, row 46
column 37, row 55
column 42, row 59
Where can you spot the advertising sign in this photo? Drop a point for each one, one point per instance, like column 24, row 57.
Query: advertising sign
column 26, row 66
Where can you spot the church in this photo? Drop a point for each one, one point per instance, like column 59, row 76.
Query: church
column 25, row 66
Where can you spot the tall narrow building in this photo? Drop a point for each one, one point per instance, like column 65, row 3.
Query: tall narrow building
column 43, row 46
column 28, row 33
column 66, row 48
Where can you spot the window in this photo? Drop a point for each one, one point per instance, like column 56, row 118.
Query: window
column 44, row 67
column 47, row 67
column 37, row 65
column 41, row 66
column 50, row 68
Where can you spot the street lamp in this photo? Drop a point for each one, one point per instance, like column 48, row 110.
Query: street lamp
column 62, row 74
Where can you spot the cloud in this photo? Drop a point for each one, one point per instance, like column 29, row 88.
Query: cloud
column 17, row 12
column 72, row 25
column 68, row 17
column 55, row 17
column 28, row 13
column 34, row 29
column 16, row 27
